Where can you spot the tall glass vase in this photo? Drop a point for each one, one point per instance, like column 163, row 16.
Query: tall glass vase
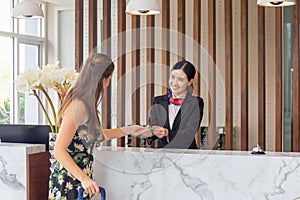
column 52, row 140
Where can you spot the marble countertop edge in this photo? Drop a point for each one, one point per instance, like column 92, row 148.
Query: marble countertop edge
column 197, row 152
column 29, row 148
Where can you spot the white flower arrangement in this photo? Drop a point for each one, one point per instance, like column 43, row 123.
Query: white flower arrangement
column 49, row 77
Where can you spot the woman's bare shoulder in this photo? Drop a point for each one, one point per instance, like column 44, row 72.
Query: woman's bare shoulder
column 78, row 110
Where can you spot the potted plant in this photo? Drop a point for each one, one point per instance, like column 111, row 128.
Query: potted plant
column 38, row 81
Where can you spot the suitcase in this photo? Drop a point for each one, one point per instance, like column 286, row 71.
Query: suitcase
column 102, row 191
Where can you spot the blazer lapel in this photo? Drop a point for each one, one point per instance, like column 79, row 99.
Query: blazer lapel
column 181, row 112
column 165, row 104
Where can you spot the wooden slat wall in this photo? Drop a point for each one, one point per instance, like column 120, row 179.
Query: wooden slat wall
column 212, row 73
column 181, row 29
column 92, row 25
column 278, row 44
column 165, row 41
column 296, row 81
column 197, row 49
column 150, row 64
column 106, row 49
column 135, row 61
column 228, row 81
column 244, row 74
column 197, row 41
column 196, row 24
column 78, row 34
column 121, row 67
column 261, row 77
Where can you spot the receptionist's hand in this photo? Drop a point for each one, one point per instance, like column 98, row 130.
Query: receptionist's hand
column 160, row 131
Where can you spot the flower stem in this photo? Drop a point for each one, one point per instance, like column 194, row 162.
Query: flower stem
column 51, row 105
column 44, row 109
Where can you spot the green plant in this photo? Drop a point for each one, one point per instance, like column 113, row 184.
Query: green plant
column 22, row 108
column 5, row 112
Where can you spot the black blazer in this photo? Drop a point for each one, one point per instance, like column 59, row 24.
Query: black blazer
column 186, row 122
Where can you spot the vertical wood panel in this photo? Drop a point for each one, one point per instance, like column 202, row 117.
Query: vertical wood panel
column 92, row 24
column 228, row 76
column 296, row 80
column 165, row 43
column 261, row 77
column 150, row 64
column 197, row 47
column 121, row 67
column 244, row 75
column 135, row 74
column 196, row 56
column 252, row 73
column 37, row 171
column 78, row 34
column 106, row 49
column 181, row 29
column 212, row 73
column 270, row 80
column 278, row 63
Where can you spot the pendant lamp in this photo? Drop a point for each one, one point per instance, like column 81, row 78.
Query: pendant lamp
column 27, row 10
column 274, row 3
column 143, row 7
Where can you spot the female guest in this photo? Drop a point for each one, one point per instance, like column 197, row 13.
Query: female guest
column 178, row 111
column 80, row 131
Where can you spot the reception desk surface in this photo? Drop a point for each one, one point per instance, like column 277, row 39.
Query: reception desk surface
column 13, row 169
column 161, row 174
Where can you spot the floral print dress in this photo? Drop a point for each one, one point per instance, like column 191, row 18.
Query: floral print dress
column 62, row 185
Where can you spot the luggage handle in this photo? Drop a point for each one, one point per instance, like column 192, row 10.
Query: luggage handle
column 102, row 192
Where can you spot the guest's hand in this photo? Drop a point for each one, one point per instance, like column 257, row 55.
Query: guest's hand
column 133, row 130
column 90, row 186
column 158, row 131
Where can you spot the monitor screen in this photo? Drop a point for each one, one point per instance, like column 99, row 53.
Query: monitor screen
column 32, row 134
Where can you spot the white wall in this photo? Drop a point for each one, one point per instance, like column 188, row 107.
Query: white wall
column 60, row 31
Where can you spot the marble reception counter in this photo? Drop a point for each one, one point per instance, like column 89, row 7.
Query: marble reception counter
column 15, row 169
column 161, row 174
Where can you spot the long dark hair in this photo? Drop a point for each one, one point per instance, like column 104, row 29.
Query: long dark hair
column 89, row 87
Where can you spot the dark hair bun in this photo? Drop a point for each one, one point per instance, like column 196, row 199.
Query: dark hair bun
column 187, row 67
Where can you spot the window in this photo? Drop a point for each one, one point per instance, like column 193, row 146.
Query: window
column 5, row 78
column 22, row 46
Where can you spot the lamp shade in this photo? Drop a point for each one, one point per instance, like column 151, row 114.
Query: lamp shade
column 27, row 10
column 143, row 7
column 274, row 3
